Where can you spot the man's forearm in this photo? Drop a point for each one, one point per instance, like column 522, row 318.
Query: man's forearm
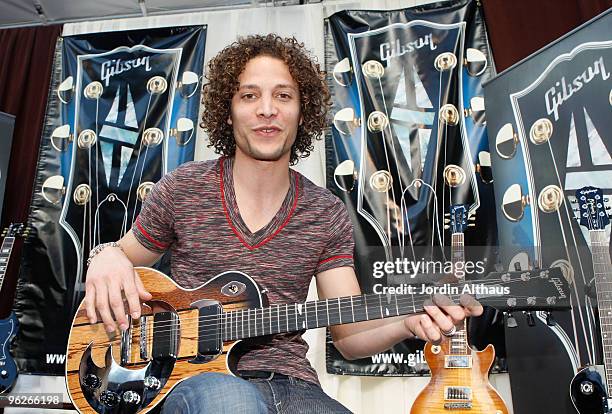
column 362, row 339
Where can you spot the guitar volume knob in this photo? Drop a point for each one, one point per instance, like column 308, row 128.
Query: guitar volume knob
column 131, row 397
column 91, row 381
column 152, row 383
column 109, row 398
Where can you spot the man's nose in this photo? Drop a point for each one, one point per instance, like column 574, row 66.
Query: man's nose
column 267, row 106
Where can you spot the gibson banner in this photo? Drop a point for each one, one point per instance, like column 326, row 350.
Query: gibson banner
column 122, row 112
column 408, row 152
column 550, row 126
column 7, row 123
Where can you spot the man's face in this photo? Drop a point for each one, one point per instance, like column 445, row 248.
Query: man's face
column 265, row 111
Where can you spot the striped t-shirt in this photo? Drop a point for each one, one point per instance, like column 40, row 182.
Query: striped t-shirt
column 193, row 212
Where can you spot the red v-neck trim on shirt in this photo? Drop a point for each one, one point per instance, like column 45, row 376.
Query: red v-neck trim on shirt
column 231, row 224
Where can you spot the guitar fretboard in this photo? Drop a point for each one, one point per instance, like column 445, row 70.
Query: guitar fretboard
column 275, row 319
column 459, row 341
column 5, row 254
column 603, row 283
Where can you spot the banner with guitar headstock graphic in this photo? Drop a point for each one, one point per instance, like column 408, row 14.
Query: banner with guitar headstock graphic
column 122, row 111
column 409, row 141
column 549, row 122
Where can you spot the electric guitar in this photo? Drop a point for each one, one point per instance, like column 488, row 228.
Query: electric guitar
column 8, row 326
column 184, row 332
column 459, row 374
column 589, row 392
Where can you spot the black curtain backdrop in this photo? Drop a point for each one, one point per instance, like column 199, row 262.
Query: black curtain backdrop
column 26, row 57
column 518, row 28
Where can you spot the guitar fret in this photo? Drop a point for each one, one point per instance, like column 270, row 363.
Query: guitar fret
column 396, row 306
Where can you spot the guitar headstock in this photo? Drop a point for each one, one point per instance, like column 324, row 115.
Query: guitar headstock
column 458, row 218
column 15, row 229
column 543, row 289
column 591, row 208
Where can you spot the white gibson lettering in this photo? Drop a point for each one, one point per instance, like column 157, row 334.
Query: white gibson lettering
column 556, row 97
column 114, row 67
column 395, row 50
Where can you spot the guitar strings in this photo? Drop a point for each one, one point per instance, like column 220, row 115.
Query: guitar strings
column 485, row 283
column 405, row 300
column 590, row 350
column 221, row 322
column 144, row 128
column 398, row 227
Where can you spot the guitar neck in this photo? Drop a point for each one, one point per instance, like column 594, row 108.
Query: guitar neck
column 459, row 341
column 5, row 254
column 602, row 270
column 249, row 323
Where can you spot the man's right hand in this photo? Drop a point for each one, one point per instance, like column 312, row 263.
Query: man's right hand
column 110, row 278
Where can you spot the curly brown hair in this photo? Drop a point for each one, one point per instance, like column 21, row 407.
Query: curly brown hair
column 222, row 76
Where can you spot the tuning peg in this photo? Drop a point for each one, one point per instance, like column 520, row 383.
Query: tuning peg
column 511, row 320
column 472, row 217
column 446, row 227
column 471, row 225
column 446, row 214
column 446, row 221
column 550, row 320
column 530, row 319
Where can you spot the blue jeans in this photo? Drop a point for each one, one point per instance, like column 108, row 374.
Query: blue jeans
column 214, row 393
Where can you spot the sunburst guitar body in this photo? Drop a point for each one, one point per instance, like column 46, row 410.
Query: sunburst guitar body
column 459, row 374
column 459, row 383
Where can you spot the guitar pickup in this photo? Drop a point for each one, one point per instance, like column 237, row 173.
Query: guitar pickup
column 210, row 338
column 165, row 339
column 458, row 361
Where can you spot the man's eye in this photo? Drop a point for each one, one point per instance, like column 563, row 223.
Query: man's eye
column 248, row 96
column 284, row 95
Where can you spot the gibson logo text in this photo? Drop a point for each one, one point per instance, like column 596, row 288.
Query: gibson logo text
column 395, row 50
column 114, row 67
column 562, row 91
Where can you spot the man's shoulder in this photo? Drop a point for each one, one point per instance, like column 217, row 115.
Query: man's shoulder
column 317, row 195
column 194, row 170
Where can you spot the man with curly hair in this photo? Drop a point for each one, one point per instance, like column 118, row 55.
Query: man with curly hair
column 265, row 101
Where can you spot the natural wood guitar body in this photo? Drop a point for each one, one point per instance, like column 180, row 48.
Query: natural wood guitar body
column 484, row 398
column 165, row 290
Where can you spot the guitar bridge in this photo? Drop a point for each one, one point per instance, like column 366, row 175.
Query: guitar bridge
column 457, row 398
column 145, row 355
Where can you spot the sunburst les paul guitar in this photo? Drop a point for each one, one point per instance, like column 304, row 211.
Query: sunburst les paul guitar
column 182, row 332
column 459, row 374
column 589, row 391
